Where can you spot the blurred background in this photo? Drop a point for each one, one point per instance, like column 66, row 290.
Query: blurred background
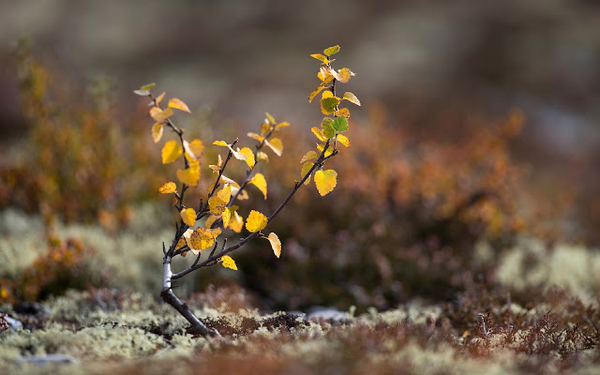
column 480, row 123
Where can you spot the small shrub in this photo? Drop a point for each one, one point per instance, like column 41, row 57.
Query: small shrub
column 61, row 267
column 203, row 222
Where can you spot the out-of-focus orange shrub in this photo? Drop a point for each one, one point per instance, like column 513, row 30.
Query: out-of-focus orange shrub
column 405, row 222
column 81, row 163
column 64, row 265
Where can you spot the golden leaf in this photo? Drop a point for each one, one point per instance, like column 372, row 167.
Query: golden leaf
column 344, row 75
column 189, row 176
column 311, row 155
column 276, row 145
column 170, row 152
column 217, row 205
column 203, row 238
column 325, row 181
column 281, row 125
column 256, row 136
column 256, row 221
column 237, row 222
column 249, row 157
column 331, row 50
column 167, row 188
column 228, row 262
column 342, row 112
column 148, row 87
column 157, row 132
column 270, row 118
column 318, row 133
column 275, row 243
column 194, row 148
column 351, row 98
column 305, row 169
column 226, row 216
column 188, row 215
column 159, row 115
column 343, row 140
column 320, row 88
column 320, row 57
column 159, row 98
column 179, row 104
column 260, row 182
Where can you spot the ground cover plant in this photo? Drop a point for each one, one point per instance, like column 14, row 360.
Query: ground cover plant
column 424, row 260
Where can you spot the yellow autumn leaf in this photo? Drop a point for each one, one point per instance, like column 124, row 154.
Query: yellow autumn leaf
column 188, row 215
column 189, row 176
column 237, row 154
column 148, row 86
column 320, row 88
column 170, row 152
column 260, row 182
column 265, row 127
column 332, row 50
column 305, row 169
column 325, row 181
column 318, row 133
column 228, row 262
column 167, row 188
column 216, row 205
column 343, row 140
column 261, row 155
column 157, row 132
column 311, row 155
column 276, row 145
column 159, row 115
column 179, row 104
column 327, row 153
column 225, row 193
column 159, row 98
column 256, row 221
column 226, row 216
column 194, row 148
column 320, row 57
column 344, row 75
column 237, row 222
column 275, row 243
column 281, row 125
column 203, row 238
column 270, row 118
column 351, row 98
column 256, row 136
column 249, row 157
column 342, row 112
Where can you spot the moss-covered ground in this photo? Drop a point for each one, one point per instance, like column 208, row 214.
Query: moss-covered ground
column 540, row 317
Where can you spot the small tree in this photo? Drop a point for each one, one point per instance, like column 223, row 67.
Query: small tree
column 205, row 228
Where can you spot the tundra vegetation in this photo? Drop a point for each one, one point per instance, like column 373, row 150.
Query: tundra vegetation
column 431, row 256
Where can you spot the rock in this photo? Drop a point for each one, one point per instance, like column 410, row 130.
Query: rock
column 50, row 358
